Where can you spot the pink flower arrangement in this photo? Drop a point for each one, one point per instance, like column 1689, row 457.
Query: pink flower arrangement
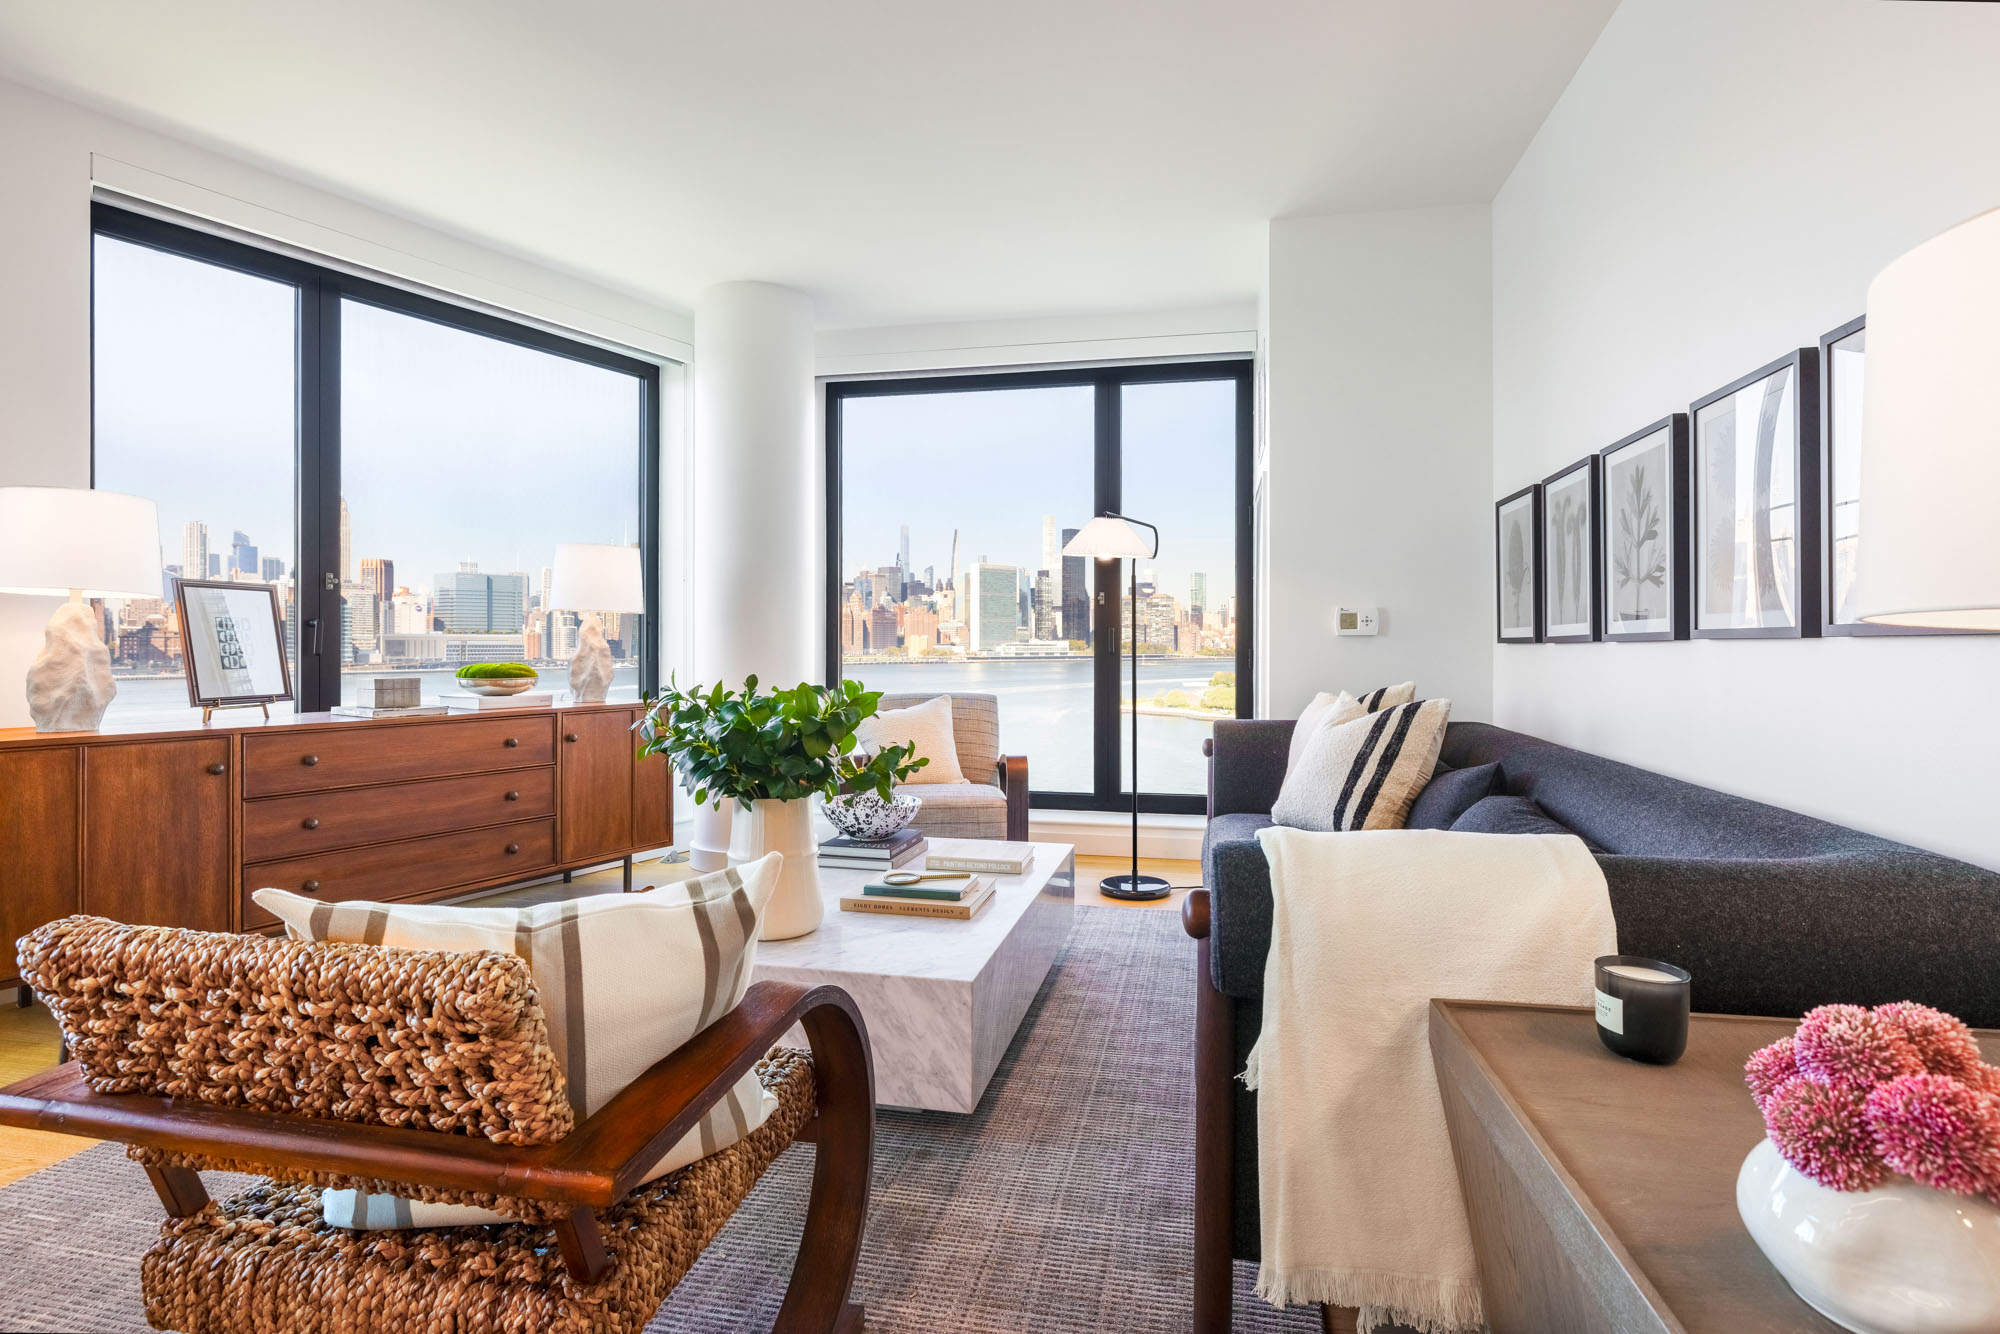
column 1857, row 1094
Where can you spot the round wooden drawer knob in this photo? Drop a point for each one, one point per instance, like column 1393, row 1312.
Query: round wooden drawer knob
column 310, row 886
column 513, row 796
column 513, row 848
column 309, row 760
column 218, row 768
column 310, row 822
column 512, row 742
column 569, row 736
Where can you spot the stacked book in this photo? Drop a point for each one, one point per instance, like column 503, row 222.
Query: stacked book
column 873, row 854
column 958, row 896
column 463, row 700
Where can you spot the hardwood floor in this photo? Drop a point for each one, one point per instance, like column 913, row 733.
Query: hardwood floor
column 28, row 1038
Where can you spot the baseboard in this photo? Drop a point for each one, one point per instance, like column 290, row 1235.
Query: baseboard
column 1109, row 834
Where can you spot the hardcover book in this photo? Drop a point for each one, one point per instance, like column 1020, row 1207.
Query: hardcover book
column 531, row 699
column 407, row 711
column 947, row 891
column 961, row 911
column 981, row 854
column 878, row 864
column 873, row 847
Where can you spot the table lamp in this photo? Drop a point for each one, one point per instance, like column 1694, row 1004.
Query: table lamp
column 590, row 578
column 1930, row 435
column 86, row 544
column 1113, row 537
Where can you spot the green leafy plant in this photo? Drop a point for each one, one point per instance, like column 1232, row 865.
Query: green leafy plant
column 505, row 671
column 782, row 746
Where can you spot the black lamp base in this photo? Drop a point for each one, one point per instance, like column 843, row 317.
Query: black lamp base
column 1136, row 887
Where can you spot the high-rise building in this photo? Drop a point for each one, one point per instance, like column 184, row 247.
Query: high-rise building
column 853, row 622
column 1052, row 544
column 407, row 615
column 242, row 554
column 194, row 550
column 992, row 606
column 467, row 601
column 903, row 564
column 346, row 545
column 215, row 564
column 888, row 585
column 882, row 630
column 1047, row 607
column 1075, row 594
column 271, row 569
column 168, row 574
column 1159, row 616
column 548, row 580
column 1198, row 592
column 378, row 576
column 864, row 588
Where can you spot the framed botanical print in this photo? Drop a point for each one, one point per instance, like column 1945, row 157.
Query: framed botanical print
column 1571, row 546
column 233, row 641
column 1517, row 596
column 1643, row 501
column 1753, row 515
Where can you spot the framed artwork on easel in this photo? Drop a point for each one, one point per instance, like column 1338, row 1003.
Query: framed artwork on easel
column 233, row 642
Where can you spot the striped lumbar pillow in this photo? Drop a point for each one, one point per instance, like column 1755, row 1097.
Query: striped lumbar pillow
column 625, row 980
column 1326, row 708
column 1366, row 772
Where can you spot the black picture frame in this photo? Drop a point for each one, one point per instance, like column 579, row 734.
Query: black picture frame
column 197, row 697
column 1532, row 496
column 1802, row 445
column 1672, row 530
column 1590, row 549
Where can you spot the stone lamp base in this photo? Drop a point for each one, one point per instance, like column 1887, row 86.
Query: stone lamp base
column 590, row 669
column 69, row 684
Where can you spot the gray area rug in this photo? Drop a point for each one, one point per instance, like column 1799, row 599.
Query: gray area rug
column 1063, row 1204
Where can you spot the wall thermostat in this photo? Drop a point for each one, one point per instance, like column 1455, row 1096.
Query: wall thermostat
column 1357, row 620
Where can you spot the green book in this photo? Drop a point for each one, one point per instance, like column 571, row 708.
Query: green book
column 953, row 891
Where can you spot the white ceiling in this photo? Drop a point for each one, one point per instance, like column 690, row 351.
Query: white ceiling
column 904, row 161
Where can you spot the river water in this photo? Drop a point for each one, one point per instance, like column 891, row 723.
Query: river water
column 1045, row 709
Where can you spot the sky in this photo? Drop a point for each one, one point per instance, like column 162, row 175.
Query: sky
column 454, row 446
column 991, row 463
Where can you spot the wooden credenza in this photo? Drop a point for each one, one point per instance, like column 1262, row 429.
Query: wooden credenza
column 177, row 826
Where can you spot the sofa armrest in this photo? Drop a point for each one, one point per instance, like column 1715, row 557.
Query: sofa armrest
column 1011, row 774
column 1246, row 764
column 1238, row 919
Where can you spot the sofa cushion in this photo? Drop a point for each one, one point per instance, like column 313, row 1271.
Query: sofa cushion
column 927, row 729
column 625, row 980
column 1449, row 794
column 959, row 810
column 1503, row 814
column 975, row 730
column 1363, row 774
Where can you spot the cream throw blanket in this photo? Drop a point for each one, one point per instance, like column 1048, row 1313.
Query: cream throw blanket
column 1360, row 1199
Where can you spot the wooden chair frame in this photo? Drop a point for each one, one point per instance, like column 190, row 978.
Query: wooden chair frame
column 591, row 1168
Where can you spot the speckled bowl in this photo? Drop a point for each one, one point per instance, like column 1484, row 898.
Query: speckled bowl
column 865, row 815
column 496, row 685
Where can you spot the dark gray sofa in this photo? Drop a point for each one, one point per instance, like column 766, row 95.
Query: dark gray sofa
column 1772, row 911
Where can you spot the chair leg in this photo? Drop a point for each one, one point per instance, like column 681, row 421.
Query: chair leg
column 582, row 1246
column 853, row 1320
column 823, row 1274
column 1339, row 1319
column 180, row 1190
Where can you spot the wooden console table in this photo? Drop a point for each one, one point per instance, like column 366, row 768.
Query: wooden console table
column 178, row 825
column 1602, row 1192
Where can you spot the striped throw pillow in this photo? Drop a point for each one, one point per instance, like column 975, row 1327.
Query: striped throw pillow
column 624, row 979
column 1364, row 773
column 1326, row 708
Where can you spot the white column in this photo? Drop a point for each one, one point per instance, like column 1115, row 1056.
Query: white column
column 758, row 488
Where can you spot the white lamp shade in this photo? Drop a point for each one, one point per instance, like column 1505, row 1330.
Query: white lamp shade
column 591, row 577
column 1930, row 435
column 54, row 538
column 1108, row 538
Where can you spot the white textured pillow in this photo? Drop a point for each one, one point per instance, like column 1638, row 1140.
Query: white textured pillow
column 625, row 980
column 927, row 726
column 1364, row 773
column 1339, row 709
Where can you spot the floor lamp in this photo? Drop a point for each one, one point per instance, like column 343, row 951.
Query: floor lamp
column 1113, row 537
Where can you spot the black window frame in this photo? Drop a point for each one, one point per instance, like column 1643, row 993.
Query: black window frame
column 317, row 472
column 1107, row 384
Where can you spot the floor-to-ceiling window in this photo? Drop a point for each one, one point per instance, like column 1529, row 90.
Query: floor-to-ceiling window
column 400, row 469
column 950, row 500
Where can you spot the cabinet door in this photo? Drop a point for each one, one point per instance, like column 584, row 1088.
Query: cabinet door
column 38, row 844
column 156, row 846
column 652, row 795
column 596, row 783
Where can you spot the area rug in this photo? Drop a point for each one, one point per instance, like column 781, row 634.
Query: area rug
column 1063, row 1205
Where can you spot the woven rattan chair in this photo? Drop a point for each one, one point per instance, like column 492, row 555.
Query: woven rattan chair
column 429, row 1076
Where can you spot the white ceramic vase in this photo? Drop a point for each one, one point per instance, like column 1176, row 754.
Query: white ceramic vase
column 784, row 827
column 1898, row 1259
column 708, row 848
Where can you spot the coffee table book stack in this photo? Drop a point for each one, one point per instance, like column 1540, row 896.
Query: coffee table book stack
column 873, row 854
column 959, row 899
column 388, row 697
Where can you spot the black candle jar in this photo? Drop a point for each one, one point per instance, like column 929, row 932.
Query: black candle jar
column 1642, row 1008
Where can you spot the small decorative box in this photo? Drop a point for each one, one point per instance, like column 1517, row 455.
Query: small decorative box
column 389, row 692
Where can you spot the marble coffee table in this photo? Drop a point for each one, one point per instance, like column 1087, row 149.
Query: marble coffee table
column 942, row 998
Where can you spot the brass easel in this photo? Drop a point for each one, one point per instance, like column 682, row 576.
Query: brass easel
column 208, row 710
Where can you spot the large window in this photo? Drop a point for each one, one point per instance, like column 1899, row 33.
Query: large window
column 950, row 500
column 399, row 468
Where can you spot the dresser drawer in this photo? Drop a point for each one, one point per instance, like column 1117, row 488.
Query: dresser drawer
column 411, row 869
column 275, row 827
column 327, row 757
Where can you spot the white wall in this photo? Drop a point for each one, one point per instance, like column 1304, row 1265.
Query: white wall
column 1717, row 186
column 53, row 152
column 1379, row 435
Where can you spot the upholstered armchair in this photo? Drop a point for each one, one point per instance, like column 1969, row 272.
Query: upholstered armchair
column 993, row 802
column 426, row 1076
